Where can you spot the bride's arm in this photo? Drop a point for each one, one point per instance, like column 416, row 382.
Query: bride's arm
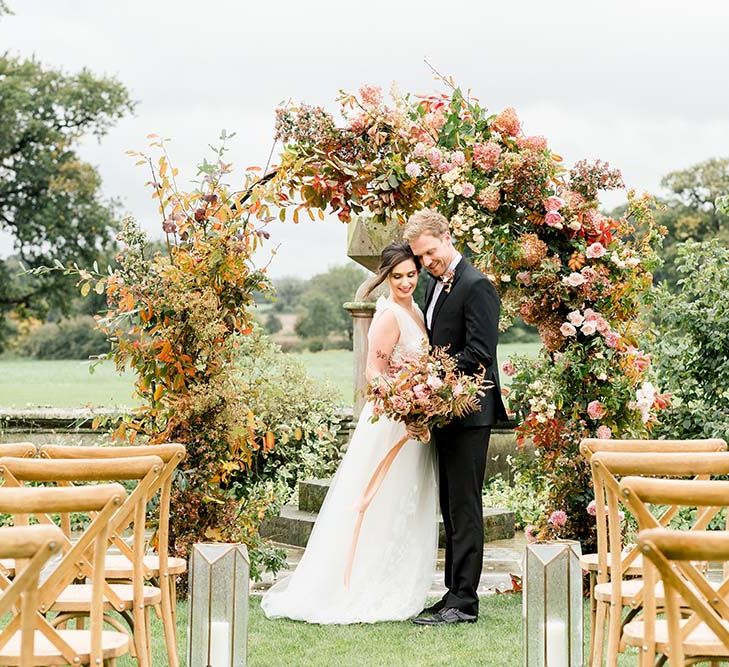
column 383, row 335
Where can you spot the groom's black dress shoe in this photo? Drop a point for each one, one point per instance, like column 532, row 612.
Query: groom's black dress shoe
column 446, row 616
column 433, row 609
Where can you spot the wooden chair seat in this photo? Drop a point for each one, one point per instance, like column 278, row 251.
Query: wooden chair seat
column 589, row 563
column 77, row 597
column 117, row 566
column 701, row 641
column 115, row 644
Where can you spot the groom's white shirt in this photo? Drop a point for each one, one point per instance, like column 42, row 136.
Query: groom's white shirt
column 438, row 289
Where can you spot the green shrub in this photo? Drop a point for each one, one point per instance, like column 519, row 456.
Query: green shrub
column 273, row 323
column 525, row 495
column 301, row 416
column 690, row 346
column 76, row 338
column 315, row 345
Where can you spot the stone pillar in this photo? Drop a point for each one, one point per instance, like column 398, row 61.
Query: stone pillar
column 365, row 242
column 362, row 313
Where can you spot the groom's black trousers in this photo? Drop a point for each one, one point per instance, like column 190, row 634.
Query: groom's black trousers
column 461, row 467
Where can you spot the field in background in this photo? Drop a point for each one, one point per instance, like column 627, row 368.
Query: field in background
column 63, row 384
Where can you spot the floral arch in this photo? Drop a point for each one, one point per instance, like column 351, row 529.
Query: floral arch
column 532, row 226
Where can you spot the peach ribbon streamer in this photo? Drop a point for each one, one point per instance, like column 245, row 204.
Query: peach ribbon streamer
column 369, row 493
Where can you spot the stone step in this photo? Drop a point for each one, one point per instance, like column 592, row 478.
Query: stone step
column 293, row 526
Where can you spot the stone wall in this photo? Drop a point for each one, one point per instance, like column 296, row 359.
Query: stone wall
column 73, row 426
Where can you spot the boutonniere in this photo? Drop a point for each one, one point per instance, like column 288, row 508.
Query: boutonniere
column 447, row 280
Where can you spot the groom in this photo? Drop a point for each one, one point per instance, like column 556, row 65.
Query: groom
column 462, row 314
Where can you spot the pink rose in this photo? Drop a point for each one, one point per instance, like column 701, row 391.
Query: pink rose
column 558, row 518
column 553, row 219
column 595, row 251
column 419, row 150
column 445, row 167
column 468, row 189
column 567, row 330
column 603, row 326
column 553, row 203
column 421, row 391
column 458, row 158
column 508, row 368
column 612, row 339
column 604, row 432
column 434, row 156
column 592, row 508
column 595, row 410
column 457, row 389
column 413, row 170
column 434, row 382
column 589, row 328
column 524, row 278
column 591, row 315
column 576, row 318
column 400, row 405
column 530, row 532
column 574, row 279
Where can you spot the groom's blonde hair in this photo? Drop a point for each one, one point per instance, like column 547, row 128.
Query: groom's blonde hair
column 425, row 221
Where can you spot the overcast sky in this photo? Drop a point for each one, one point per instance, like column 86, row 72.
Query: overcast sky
column 640, row 84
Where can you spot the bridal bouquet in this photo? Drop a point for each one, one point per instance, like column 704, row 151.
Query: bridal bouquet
column 426, row 391
column 421, row 391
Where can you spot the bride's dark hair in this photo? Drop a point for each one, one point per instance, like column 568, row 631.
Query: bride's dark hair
column 391, row 256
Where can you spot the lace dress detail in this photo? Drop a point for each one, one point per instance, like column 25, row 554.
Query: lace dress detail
column 396, row 556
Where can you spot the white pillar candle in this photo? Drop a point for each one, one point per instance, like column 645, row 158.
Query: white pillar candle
column 557, row 645
column 219, row 650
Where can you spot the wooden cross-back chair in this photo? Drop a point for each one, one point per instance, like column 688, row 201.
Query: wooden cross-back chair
column 590, row 446
column 161, row 567
column 131, row 601
column 617, row 588
column 703, row 634
column 36, row 544
column 17, row 450
column 53, row 646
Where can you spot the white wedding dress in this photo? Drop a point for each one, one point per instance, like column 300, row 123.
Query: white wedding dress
column 396, row 554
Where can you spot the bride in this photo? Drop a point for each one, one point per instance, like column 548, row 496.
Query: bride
column 395, row 559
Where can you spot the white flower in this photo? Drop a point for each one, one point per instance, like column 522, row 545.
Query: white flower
column 413, row 170
column 589, row 328
column 505, row 278
column 457, row 189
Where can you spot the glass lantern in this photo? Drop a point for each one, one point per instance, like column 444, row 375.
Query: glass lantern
column 217, row 625
column 552, row 605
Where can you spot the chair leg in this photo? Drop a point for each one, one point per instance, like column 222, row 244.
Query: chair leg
column 148, row 630
column 599, row 632
column 168, row 621
column 140, row 635
column 593, row 615
column 614, row 627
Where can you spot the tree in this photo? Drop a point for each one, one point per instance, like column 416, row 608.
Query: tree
column 321, row 316
column 289, row 291
column 339, row 285
column 273, row 323
column 689, row 211
column 50, row 199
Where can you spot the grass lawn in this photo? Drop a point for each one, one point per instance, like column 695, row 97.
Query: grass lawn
column 495, row 641
column 63, row 384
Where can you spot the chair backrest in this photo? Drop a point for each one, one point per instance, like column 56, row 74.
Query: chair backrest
column 172, row 454
column 590, row 446
column 607, row 467
column 20, row 598
column 674, row 553
column 18, row 449
column 102, row 500
column 65, row 472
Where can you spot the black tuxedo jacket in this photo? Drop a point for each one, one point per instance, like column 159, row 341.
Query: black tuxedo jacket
column 466, row 321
